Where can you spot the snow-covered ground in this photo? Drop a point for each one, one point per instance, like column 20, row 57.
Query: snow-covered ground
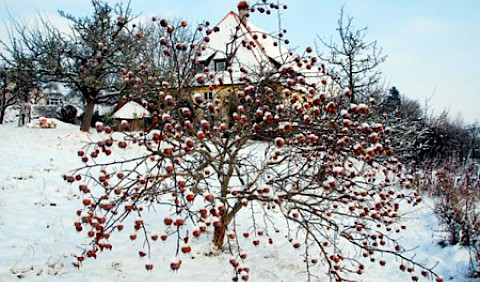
column 38, row 240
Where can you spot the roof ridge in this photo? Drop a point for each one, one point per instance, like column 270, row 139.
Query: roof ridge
column 250, row 33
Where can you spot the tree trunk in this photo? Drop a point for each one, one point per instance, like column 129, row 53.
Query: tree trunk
column 220, row 231
column 2, row 115
column 87, row 116
column 219, row 236
column 2, row 105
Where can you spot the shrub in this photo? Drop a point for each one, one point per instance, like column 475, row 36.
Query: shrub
column 325, row 176
column 456, row 191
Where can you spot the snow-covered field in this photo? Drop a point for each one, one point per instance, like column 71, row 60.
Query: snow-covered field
column 38, row 240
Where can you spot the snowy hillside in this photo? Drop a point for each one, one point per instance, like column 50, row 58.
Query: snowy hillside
column 38, row 240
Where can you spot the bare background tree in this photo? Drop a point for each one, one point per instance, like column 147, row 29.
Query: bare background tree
column 17, row 82
column 7, row 97
column 87, row 59
column 354, row 59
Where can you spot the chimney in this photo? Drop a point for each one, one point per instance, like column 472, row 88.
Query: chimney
column 243, row 8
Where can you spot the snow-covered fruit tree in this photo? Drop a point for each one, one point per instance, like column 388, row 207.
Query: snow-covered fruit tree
column 276, row 157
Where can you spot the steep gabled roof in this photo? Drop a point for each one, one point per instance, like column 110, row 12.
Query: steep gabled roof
column 250, row 45
column 245, row 45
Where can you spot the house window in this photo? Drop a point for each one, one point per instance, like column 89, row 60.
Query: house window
column 220, row 65
column 208, row 96
column 54, row 101
column 199, row 67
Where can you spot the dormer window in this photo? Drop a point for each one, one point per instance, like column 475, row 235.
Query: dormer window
column 200, row 67
column 220, row 65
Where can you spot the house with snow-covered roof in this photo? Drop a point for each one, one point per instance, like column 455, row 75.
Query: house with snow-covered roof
column 238, row 52
column 238, row 42
column 133, row 113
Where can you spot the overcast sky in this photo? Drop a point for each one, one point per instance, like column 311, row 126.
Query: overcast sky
column 433, row 46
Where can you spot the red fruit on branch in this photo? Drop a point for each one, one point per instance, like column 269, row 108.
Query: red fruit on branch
column 148, row 266
column 168, row 221
column 179, row 222
column 175, row 264
column 196, row 232
column 234, row 263
column 209, row 197
column 122, row 144
column 279, row 142
column 86, row 202
column 190, row 197
column 186, row 249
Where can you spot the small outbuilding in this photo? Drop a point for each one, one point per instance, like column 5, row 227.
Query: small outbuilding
column 132, row 112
